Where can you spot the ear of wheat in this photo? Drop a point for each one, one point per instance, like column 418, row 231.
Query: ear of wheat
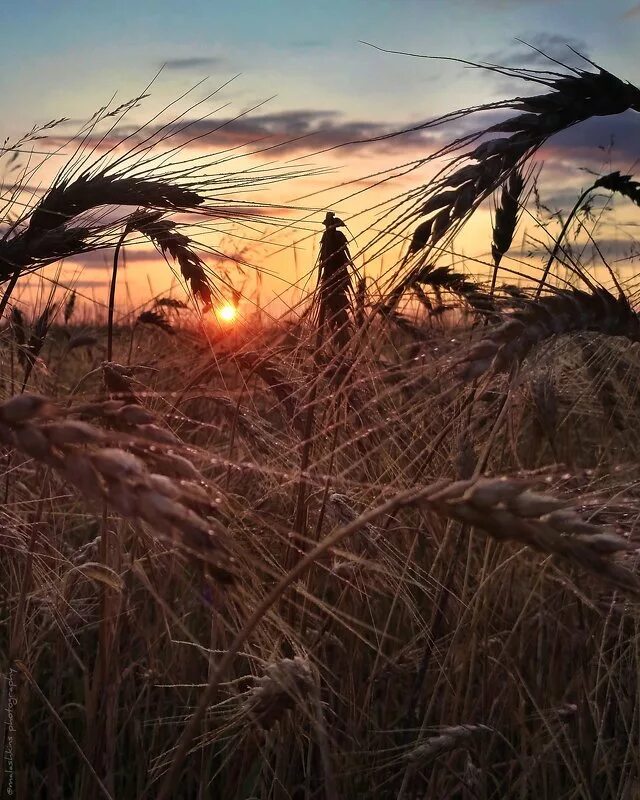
column 81, row 340
column 49, row 234
column 334, row 281
column 156, row 319
column 27, row 252
column 69, row 307
column 621, row 184
column 506, row 216
column 154, row 484
column 169, row 241
column 474, row 175
column 446, row 278
column 68, row 199
column 274, row 378
column 284, row 685
column 69, row 218
column 118, row 381
column 508, row 510
column 19, row 330
column 447, row 739
column 564, row 312
column 171, row 302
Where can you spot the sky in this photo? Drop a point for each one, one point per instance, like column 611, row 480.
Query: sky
column 307, row 70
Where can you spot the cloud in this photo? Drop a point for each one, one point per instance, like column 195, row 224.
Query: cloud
column 554, row 45
column 299, row 131
column 306, row 44
column 307, row 131
column 585, row 143
column 193, row 63
column 86, row 283
column 294, row 132
column 102, row 259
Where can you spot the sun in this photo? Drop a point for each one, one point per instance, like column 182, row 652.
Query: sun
column 227, row 312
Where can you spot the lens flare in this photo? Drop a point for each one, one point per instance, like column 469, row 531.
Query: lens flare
column 227, row 312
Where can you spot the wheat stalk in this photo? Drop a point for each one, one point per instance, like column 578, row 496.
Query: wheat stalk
column 68, row 199
column 446, row 278
column 274, row 378
column 29, row 251
column 604, row 387
column 19, row 330
column 69, row 307
column 156, row 319
column 448, row 738
column 614, row 182
column 621, row 184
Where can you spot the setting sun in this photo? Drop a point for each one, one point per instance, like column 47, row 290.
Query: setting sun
column 227, row 312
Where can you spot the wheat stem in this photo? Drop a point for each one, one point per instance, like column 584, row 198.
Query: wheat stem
column 112, row 292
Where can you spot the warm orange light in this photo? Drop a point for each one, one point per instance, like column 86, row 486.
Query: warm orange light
column 227, row 312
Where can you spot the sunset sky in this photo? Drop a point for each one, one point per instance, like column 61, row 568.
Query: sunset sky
column 307, row 64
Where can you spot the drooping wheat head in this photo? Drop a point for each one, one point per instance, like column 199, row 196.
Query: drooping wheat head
column 565, row 312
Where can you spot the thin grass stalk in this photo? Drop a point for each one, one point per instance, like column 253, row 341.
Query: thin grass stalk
column 9, row 291
column 614, row 182
column 112, row 292
column 559, row 240
column 300, row 514
column 17, row 635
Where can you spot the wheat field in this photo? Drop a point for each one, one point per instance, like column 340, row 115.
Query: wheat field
column 384, row 545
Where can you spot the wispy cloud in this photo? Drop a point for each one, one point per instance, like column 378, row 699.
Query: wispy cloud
column 307, row 44
column 193, row 63
column 553, row 45
column 599, row 139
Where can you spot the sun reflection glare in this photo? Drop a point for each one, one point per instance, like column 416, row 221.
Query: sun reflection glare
column 227, row 312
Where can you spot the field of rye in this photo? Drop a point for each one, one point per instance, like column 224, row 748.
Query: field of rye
column 385, row 546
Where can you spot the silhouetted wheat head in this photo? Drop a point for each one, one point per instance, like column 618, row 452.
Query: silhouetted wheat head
column 156, row 319
column 507, row 212
column 445, row 278
column 102, row 191
column 621, row 184
column 171, row 242
column 334, row 279
column 459, row 188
